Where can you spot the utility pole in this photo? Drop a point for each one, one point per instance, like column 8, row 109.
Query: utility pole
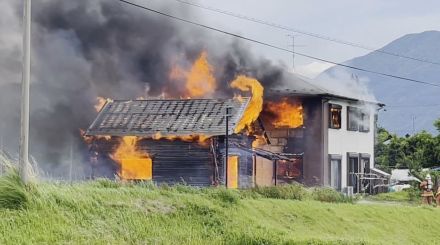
column 292, row 45
column 25, row 87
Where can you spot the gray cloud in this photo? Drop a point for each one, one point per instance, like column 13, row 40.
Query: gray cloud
column 89, row 48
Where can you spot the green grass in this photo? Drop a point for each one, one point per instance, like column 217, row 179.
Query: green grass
column 401, row 196
column 409, row 196
column 105, row 212
column 13, row 194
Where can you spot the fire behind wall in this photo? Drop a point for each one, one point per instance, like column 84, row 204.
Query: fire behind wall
column 89, row 48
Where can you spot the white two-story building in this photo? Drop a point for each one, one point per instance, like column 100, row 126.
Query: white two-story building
column 336, row 141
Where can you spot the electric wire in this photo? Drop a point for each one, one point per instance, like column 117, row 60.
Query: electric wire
column 277, row 47
column 407, row 106
column 319, row 36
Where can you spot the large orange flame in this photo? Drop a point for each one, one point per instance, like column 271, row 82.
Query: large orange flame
column 134, row 163
column 255, row 106
column 200, row 80
column 285, row 113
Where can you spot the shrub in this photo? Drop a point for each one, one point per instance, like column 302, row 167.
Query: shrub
column 224, row 195
column 250, row 194
column 13, row 194
column 326, row 194
column 294, row 192
column 400, row 196
column 414, row 194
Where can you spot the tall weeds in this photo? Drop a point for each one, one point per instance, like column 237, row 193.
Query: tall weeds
column 13, row 193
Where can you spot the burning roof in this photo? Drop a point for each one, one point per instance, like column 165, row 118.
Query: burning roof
column 178, row 117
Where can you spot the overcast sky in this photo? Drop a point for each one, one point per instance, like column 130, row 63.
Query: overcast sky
column 372, row 23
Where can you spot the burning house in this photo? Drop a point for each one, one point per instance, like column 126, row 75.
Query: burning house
column 306, row 134
column 337, row 138
column 175, row 141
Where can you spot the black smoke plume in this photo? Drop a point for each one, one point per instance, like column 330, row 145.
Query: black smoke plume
column 88, row 48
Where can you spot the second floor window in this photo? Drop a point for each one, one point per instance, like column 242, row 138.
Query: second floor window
column 352, row 118
column 364, row 121
column 335, row 116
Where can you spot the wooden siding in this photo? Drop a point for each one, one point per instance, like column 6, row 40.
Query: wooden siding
column 180, row 162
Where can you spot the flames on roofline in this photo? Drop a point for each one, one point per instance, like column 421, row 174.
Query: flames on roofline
column 199, row 82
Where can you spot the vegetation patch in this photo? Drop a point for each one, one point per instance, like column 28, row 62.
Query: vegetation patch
column 13, row 194
column 224, row 195
column 140, row 213
column 330, row 195
column 410, row 195
column 293, row 192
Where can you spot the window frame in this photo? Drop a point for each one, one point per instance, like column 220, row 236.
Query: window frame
column 353, row 177
column 363, row 157
column 350, row 111
column 338, row 158
column 330, row 122
column 365, row 121
column 364, row 165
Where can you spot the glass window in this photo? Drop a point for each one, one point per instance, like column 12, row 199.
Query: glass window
column 365, row 163
column 335, row 172
column 335, row 116
column 365, row 121
column 352, row 118
column 365, row 170
column 353, row 171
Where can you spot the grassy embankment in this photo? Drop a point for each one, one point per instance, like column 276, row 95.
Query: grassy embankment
column 408, row 196
column 105, row 212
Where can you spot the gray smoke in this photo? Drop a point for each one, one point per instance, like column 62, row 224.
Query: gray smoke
column 88, row 48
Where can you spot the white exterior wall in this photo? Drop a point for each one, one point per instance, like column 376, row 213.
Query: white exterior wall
column 341, row 141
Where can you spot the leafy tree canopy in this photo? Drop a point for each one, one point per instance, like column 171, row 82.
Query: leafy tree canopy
column 418, row 151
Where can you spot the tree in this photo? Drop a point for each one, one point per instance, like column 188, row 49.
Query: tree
column 415, row 152
column 437, row 124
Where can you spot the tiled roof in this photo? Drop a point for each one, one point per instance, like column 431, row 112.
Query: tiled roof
column 167, row 117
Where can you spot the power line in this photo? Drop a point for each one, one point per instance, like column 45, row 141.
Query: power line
column 319, row 36
column 278, row 48
column 406, row 106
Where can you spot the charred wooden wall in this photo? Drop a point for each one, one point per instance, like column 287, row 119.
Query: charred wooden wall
column 180, row 162
column 173, row 161
column 188, row 162
column 314, row 133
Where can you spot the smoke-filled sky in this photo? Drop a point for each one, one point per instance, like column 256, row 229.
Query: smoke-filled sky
column 88, row 48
